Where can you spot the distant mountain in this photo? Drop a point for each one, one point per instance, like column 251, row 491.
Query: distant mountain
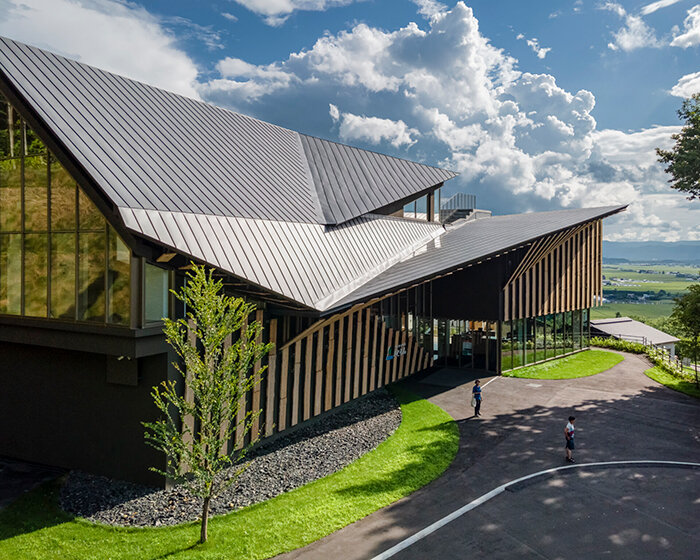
column 651, row 251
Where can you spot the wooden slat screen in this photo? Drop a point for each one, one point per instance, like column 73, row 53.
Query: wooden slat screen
column 560, row 272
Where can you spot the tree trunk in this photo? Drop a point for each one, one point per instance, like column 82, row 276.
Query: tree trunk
column 205, row 520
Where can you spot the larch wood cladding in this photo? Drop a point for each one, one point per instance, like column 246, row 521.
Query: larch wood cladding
column 559, row 272
column 333, row 362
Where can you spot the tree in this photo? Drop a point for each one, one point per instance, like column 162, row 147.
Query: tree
column 687, row 313
column 683, row 161
column 218, row 375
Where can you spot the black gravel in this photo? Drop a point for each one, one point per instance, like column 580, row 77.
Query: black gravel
column 312, row 451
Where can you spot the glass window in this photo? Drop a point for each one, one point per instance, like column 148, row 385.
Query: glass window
column 568, row 332
column 63, row 199
column 506, row 346
column 519, row 343
column 576, row 332
column 559, row 335
column 529, row 340
column 36, row 190
column 91, row 279
column 119, row 278
column 11, row 274
column 36, row 272
column 585, row 327
column 549, row 339
column 156, row 293
column 63, row 275
column 10, row 131
column 32, row 253
column 89, row 217
column 539, row 338
column 11, row 195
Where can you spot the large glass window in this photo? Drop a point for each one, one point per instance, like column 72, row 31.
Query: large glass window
column 506, row 346
column 576, row 322
column 156, row 293
column 585, row 326
column 549, row 336
column 58, row 256
column 11, row 274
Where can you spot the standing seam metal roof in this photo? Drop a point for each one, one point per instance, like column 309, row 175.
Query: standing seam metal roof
column 471, row 241
column 155, row 150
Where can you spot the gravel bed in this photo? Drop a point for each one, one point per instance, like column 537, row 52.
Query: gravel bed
column 309, row 452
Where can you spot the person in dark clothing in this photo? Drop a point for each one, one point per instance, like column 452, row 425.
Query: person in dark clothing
column 476, row 395
column 569, row 435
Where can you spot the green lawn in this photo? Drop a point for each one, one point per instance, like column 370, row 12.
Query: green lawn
column 418, row 452
column 582, row 364
column 647, row 310
column 687, row 387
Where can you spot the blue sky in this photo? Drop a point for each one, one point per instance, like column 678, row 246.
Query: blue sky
column 539, row 105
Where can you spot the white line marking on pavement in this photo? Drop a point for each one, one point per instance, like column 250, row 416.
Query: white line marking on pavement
column 404, row 544
column 489, row 381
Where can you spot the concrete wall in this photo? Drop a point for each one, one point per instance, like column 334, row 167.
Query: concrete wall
column 58, row 408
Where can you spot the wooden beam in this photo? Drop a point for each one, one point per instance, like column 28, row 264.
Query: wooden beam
column 241, row 414
column 339, row 363
column 365, row 354
column 308, row 354
column 271, row 377
column 318, row 409
column 381, row 359
column 284, row 373
column 358, row 357
column 373, row 359
column 348, row 359
column 328, row 401
column 296, row 384
column 255, row 428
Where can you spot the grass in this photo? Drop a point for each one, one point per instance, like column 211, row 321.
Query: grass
column 648, row 310
column 687, row 387
column 582, row 364
column 418, row 452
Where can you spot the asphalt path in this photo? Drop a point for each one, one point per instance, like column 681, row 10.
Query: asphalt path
column 625, row 511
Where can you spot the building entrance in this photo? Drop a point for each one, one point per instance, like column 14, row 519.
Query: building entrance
column 466, row 344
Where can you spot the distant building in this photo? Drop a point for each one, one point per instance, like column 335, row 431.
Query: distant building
column 109, row 188
column 625, row 328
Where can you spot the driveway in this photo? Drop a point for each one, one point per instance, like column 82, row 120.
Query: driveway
column 629, row 511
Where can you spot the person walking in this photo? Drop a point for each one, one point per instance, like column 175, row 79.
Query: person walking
column 476, row 397
column 569, row 435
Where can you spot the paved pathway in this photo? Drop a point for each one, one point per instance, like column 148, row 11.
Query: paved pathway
column 621, row 415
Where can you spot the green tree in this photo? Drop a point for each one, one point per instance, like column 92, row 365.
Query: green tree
column 683, row 160
column 687, row 313
column 217, row 375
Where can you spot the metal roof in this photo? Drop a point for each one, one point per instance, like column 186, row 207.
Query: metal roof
column 629, row 329
column 147, row 148
column 309, row 263
column 474, row 240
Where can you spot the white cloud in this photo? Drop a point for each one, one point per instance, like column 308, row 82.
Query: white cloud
column 276, row 12
column 429, row 8
column 116, row 36
column 687, row 85
column 659, row 4
column 229, row 17
column 520, row 141
column 534, row 44
column 691, row 35
column 634, row 35
column 372, row 129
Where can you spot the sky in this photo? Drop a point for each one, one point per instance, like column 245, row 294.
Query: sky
column 538, row 105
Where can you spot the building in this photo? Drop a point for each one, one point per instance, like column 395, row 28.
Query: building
column 624, row 328
column 109, row 188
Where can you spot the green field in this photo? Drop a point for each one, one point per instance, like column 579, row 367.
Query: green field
column 646, row 310
column 635, row 281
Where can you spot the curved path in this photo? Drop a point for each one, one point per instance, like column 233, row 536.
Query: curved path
column 622, row 415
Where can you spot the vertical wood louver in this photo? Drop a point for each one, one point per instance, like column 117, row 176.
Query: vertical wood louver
column 560, row 272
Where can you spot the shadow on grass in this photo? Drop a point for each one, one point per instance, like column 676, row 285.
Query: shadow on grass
column 36, row 510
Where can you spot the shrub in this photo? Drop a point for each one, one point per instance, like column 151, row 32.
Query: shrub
column 622, row 345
